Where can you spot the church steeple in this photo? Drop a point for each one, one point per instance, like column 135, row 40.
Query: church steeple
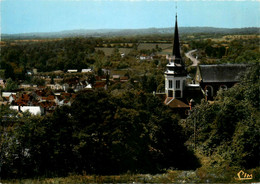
column 176, row 44
column 175, row 74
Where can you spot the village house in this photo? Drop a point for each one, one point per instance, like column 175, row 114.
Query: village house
column 34, row 110
column 116, row 77
column 7, row 94
column 25, row 86
column 146, row 57
column 122, row 55
column 89, row 70
column 54, row 86
column 124, row 79
column 36, row 102
column 72, row 70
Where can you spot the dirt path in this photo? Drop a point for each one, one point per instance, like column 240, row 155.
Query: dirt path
column 193, row 59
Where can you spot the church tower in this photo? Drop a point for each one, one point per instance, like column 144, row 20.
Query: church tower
column 175, row 74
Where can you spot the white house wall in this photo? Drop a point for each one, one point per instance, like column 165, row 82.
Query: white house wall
column 35, row 110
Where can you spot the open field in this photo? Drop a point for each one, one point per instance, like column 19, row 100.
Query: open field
column 166, row 48
column 229, row 38
column 121, row 72
column 18, row 42
column 153, row 46
column 109, row 51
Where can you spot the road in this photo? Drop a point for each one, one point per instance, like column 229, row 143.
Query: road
column 193, row 59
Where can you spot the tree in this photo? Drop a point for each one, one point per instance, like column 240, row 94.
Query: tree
column 39, row 81
column 11, row 85
column 151, row 83
column 228, row 128
column 91, row 79
column 115, row 55
column 100, row 133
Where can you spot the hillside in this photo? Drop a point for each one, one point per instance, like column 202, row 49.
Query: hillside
column 130, row 32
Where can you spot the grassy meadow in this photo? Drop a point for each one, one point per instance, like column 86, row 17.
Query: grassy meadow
column 201, row 175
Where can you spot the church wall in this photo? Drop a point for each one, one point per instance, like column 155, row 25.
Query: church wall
column 216, row 87
column 174, row 88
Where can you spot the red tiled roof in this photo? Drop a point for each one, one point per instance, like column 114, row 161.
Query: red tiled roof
column 73, row 95
column 99, row 78
column 175, row 103
column 65, row 94
column 44, row 98
column 21, row 102
column 99, row 85
column 47, row 104
column 23, row 99
column 124, row 78
column 50, row 97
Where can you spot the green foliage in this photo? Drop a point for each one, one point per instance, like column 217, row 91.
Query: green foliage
column 227, row 131
column 2, row 74
column 6, row 114
column 228, row 49
column 243, row 51
column 11, row 85
column 115, row 55
column 201, row 175
column 217, row 52
column 39, row 81
column 78, row 53
column 188, row 62
column 101, row 133
column 70, row 53
column 91, row 79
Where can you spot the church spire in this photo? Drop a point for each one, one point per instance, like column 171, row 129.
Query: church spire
column 175, row 74
column 176, row 44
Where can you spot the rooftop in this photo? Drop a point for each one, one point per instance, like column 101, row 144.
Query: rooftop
column 175, row 103
column 222, row 72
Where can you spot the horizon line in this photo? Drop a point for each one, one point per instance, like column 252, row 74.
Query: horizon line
column 93, row 29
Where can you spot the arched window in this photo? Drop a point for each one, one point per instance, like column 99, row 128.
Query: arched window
column 209, row 91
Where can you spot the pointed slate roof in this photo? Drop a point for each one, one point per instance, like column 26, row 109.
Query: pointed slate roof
column 176, row 66
column 176, row 44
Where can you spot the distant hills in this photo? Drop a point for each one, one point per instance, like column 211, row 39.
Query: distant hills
column 131, row 32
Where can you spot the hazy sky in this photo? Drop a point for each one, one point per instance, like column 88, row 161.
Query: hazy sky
column 24, row 16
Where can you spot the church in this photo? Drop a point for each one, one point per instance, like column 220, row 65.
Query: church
column 208, row 79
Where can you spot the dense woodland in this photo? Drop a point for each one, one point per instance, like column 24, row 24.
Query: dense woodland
column 101, row 133
column 227, row 131
column 126, row 128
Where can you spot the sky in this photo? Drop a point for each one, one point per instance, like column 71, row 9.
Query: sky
column 27, row 16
